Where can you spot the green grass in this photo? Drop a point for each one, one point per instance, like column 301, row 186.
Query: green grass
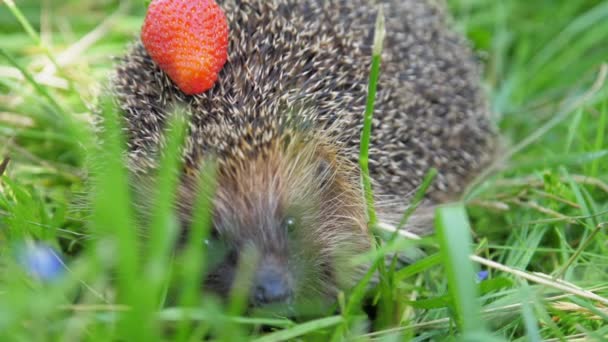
column 537, row 219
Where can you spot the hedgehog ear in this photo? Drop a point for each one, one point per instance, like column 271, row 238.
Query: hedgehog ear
column 323, row 168
column 323, row 171
column 286, row 141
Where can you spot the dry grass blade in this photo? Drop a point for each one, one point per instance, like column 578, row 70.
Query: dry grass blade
column 581, row 248
column 543, row 280
column 556, row 198
column 498, row 310
column 47, row 80
column 3, row 165
column 536, row 278
column 572, row 338
column 535, row 206
column 536, row 182
column 574, row 308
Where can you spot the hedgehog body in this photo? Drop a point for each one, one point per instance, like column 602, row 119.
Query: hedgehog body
column 284, row 121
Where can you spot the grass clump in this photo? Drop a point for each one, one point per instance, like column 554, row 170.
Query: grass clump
column 521, row 257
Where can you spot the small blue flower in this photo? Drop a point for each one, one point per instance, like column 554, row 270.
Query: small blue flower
column 41, row 261
column 482, row 275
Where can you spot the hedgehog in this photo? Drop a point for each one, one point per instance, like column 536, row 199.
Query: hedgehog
column 283, row 124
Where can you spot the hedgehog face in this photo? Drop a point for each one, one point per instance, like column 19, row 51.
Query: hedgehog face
column 300, row 218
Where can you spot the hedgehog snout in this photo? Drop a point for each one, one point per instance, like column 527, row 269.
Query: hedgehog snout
column 271, row 282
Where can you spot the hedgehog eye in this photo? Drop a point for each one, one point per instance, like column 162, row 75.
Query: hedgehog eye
column 290, row 224
column 214, row 242
column 218, row 250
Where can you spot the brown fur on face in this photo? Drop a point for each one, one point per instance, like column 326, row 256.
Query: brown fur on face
column 296, row 179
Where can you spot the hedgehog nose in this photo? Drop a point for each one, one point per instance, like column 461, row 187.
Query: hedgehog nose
column 271, row 286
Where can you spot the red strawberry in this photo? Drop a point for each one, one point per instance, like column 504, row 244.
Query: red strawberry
column 188, row 39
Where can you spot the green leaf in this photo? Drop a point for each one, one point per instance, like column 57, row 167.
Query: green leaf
column 453, row 230
column 302, row 329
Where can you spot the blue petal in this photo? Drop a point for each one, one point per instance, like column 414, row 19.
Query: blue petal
column 42, row 261
column 482, row 275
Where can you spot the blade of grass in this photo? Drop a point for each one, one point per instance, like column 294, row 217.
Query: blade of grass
column 193, row 261
column 113, row 218
column 591, row 221
column 162, row 229
column 453, row 230
column 573, row 129
column 588, row 240
column 163, row 226
column 23, row 21
column 178, row 315
column 418, row 267
column 301, row 330
column 530, row 321
column 418, row 197
column 574, row 30
column 599, row 138
column 368, row 116
column 355, row 299
column 240, row 293
column 379, row 34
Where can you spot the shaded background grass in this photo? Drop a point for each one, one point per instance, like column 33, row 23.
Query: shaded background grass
column 541, row 211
